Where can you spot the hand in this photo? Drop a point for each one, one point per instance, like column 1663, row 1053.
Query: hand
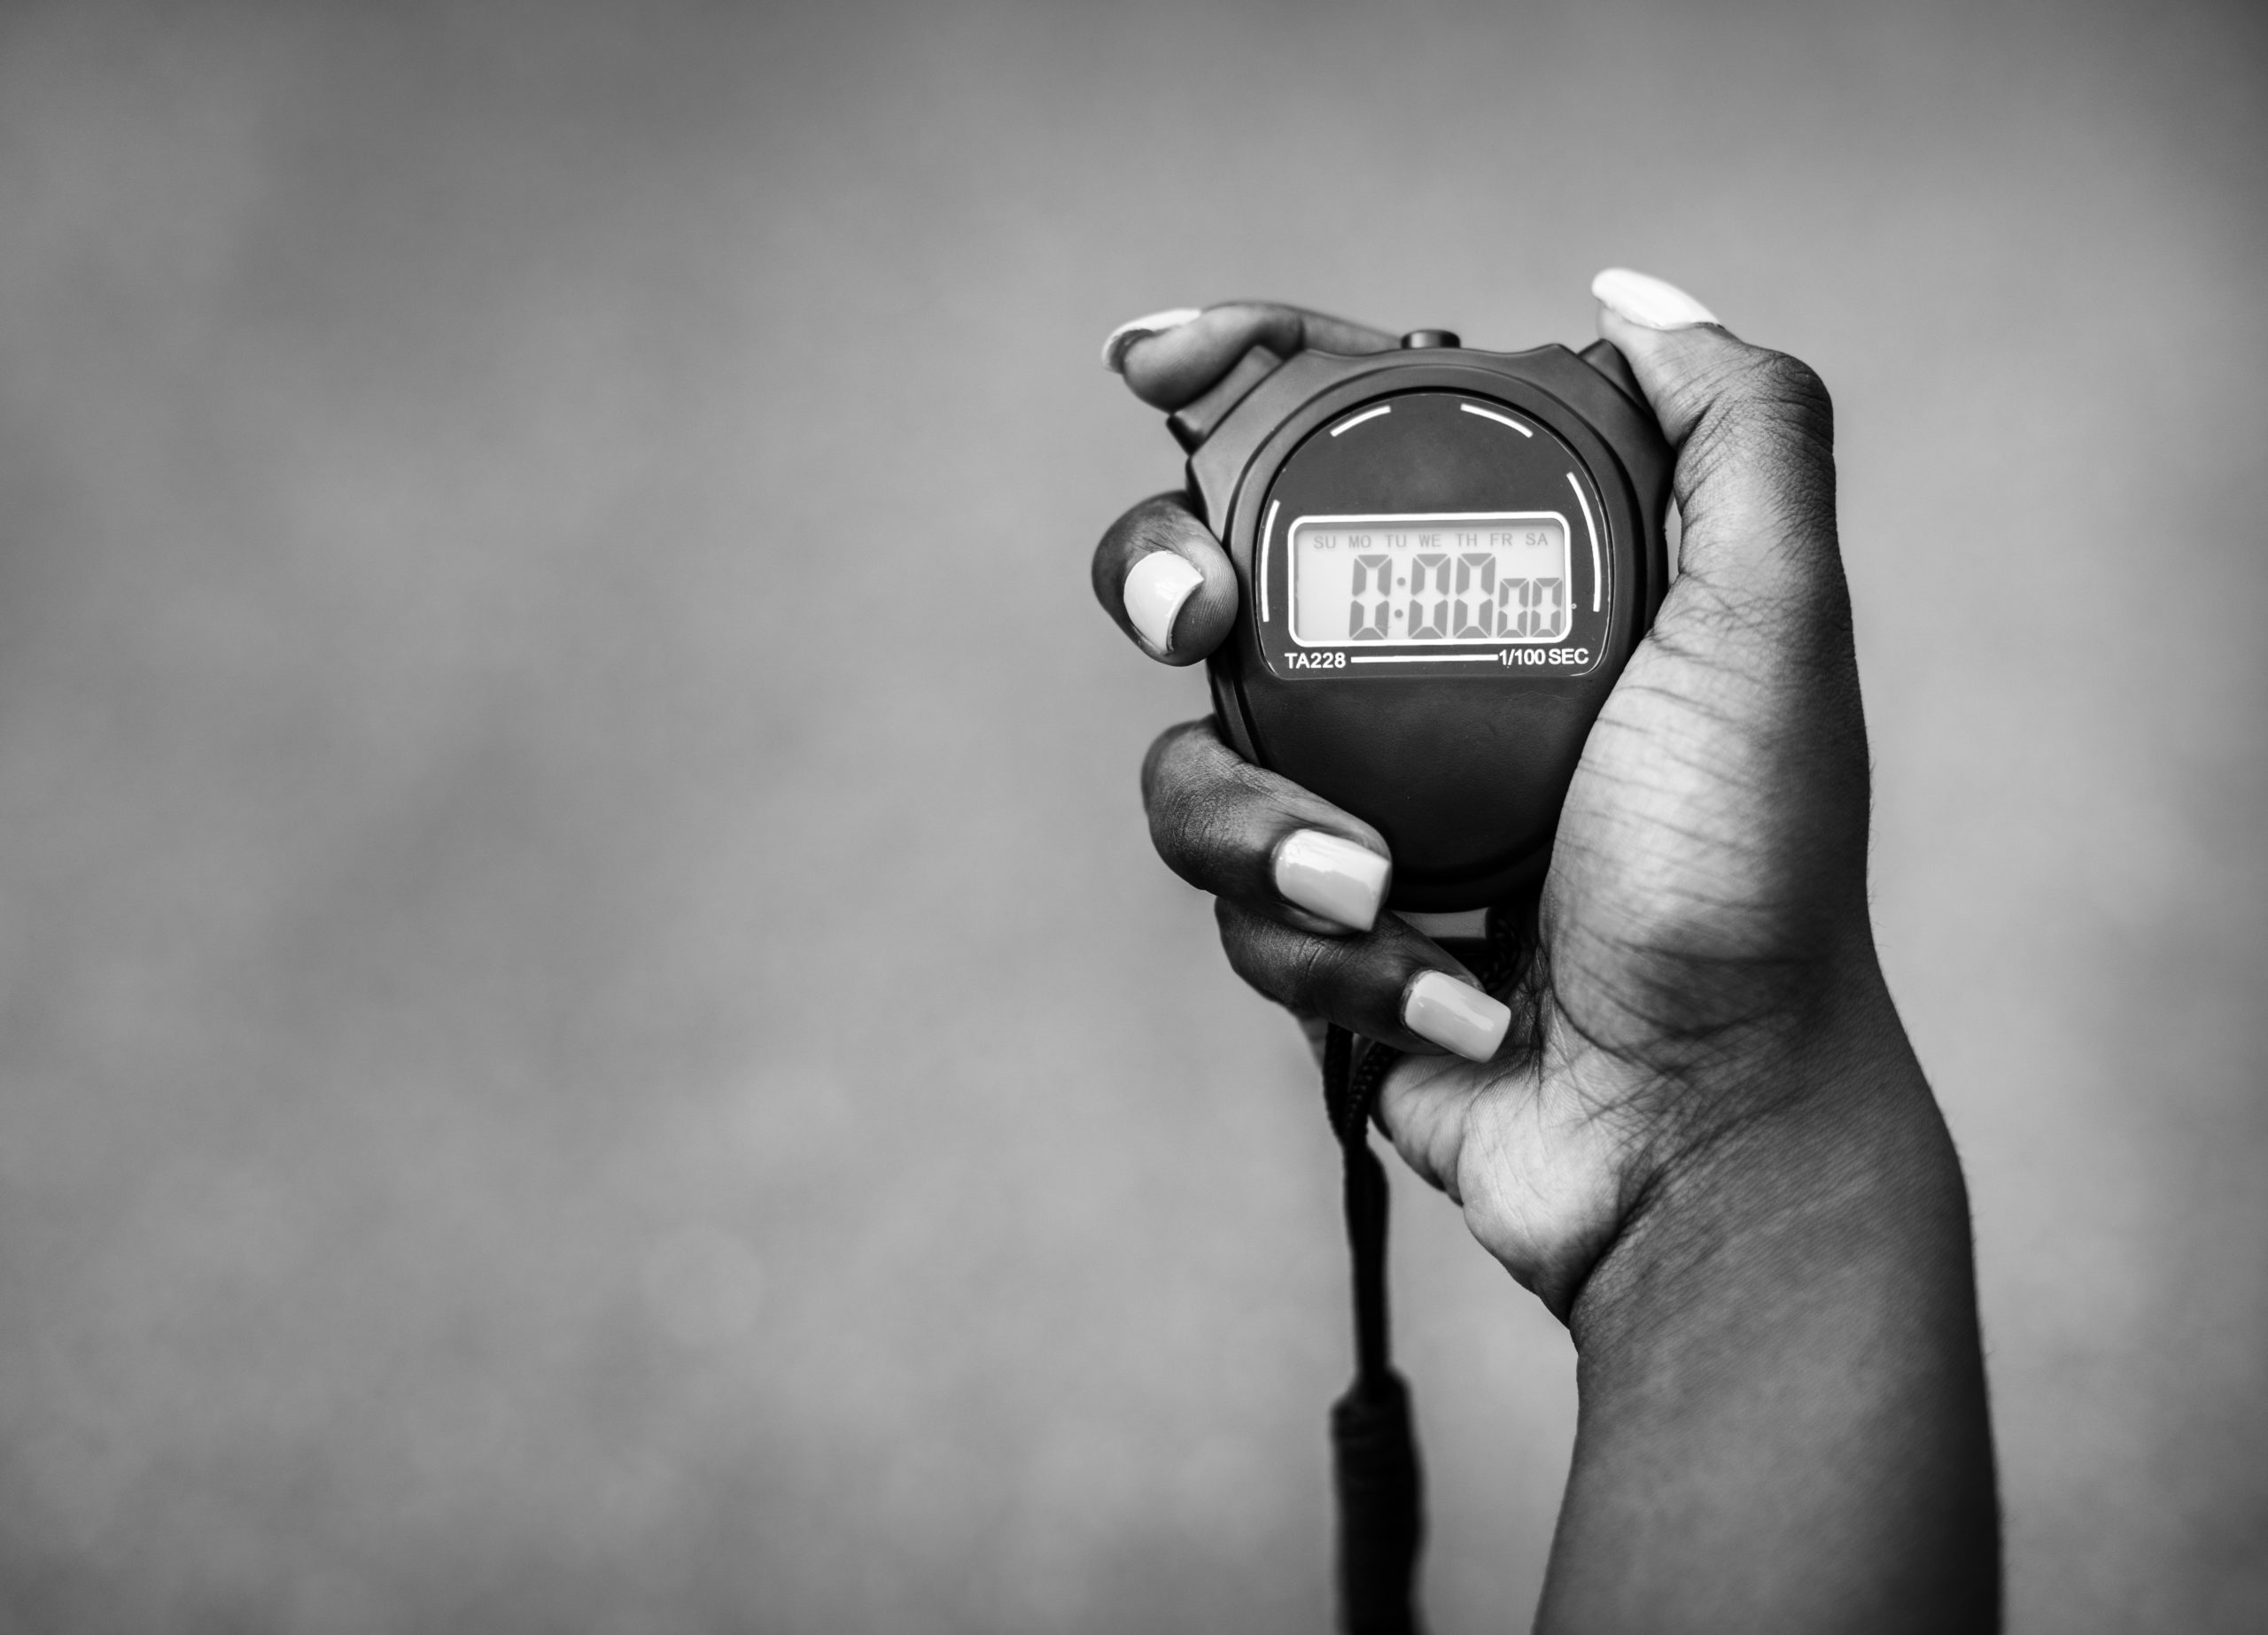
column 1703, row 931
column 1698, row 1132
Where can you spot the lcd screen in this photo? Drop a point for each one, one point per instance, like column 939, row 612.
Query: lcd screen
column 1413, row 581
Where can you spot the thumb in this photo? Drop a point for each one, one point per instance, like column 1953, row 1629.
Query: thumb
column 1754, row 430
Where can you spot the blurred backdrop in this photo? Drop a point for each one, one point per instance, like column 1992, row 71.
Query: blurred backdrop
column 590, row 1037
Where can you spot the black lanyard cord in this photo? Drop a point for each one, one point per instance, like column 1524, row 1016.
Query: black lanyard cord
column 1374, row 1448
column 1373, row 1438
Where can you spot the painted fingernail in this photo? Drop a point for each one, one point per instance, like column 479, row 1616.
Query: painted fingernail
column 1456, row 1015
column 1647, row 301
column 1114, row 344
column 1335, row 877
column 1154, row 590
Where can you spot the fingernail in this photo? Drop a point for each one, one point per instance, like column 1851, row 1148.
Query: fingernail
column 1154, row 590
column 1648, row 301
column 1456, row 1015
column 1335, row 877
column 1114, row 344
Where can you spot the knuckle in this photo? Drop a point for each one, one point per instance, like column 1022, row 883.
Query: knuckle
column 1777, row 400
column 1256, row 953
column 1769, row 429
column 1168, row 755
column 1295, row 970
column 1158, row 530
column 1123, row 527
column 1195, row 805
column 1312, row 974
column 1158, row 523
column 1168, row 791
column 1178, row 817
column 1790, row 381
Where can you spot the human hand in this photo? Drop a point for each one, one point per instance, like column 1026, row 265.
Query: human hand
column 1703, row 967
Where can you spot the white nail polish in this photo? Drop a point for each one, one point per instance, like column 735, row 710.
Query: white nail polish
column 1114, row 344
column 1154, row 590
column 1648, row 301
column 1335, row 877
column 1456, row 1015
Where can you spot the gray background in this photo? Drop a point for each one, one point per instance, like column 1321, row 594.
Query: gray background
column 591, row 1039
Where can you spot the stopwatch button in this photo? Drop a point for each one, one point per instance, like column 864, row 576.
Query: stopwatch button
column 1608, row 361
column 1193, row 424
column 1421, row 340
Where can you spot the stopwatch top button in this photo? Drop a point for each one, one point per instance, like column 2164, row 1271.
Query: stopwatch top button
column 1419, row 339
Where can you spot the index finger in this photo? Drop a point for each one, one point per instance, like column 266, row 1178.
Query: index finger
column 1160, row 574
column 1170, row 358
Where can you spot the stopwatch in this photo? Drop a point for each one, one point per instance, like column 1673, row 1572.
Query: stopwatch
column 1445, row 557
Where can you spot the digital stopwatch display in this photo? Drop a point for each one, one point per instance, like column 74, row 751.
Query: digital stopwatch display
column 1403, row 581
column 1433, row 533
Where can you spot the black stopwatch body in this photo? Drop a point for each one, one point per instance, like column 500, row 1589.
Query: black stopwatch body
column 1445, row 558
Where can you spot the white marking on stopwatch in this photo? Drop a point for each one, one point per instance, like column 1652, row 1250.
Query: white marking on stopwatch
column 1353, row 421
column 1267, row 532
column 1425, row 658
column 1590, row 529
column 1501, row 419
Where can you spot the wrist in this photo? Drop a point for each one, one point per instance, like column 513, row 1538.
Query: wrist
column 1803, row 1114
column 1835, row 1165
column 1779, row 1352
column 1826, row 1126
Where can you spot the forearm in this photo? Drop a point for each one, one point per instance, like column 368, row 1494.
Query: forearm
column 1783, row 1423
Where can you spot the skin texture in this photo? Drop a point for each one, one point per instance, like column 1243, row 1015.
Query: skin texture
column 1707, row 1144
